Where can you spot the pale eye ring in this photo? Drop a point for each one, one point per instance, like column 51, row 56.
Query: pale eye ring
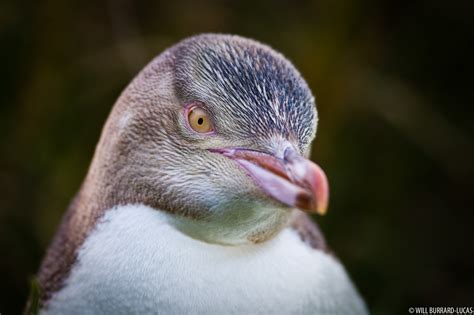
column 198, row 119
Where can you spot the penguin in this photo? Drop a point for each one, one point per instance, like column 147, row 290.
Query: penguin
column 198, row 196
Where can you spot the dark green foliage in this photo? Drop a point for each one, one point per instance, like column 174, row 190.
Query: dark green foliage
column 33, row 303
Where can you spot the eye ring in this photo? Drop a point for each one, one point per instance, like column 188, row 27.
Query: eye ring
column 198, row 119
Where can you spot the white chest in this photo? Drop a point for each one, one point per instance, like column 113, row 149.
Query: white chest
column 135, row 262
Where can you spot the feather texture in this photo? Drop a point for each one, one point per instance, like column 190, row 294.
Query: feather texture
column 135, row 261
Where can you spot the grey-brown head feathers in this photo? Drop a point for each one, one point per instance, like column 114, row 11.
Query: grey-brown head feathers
column 257, row 89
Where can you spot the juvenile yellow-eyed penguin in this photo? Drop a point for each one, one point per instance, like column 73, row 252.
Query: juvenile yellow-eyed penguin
column 194, row 200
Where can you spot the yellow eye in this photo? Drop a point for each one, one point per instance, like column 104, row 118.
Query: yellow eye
column 199, row 120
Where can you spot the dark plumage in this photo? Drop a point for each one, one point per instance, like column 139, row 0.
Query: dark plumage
column 260, row 92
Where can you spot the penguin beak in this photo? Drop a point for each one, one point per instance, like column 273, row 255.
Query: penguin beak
column 292, row 180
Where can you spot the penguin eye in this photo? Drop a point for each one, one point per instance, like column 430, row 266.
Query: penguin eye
column 199, row 120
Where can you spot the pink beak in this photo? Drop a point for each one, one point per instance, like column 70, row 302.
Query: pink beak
column 292, row 180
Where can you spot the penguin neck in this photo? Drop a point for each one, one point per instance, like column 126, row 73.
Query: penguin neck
column 78, row 221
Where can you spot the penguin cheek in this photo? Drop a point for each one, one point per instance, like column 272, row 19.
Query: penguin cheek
column 227, row 206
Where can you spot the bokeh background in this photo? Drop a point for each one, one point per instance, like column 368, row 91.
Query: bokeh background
column 393, row 83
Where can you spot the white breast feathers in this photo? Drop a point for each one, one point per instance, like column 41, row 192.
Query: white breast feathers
column 135, row 262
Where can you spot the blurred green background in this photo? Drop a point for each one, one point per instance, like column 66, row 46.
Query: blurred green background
column 393, row 84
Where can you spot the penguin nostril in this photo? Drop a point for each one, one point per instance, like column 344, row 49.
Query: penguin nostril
column 289, row 154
